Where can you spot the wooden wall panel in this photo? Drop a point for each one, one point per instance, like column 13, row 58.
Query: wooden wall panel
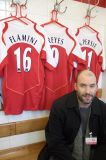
column 31, row 125
column 9, row 129
column 30, row 151
column 26, row 152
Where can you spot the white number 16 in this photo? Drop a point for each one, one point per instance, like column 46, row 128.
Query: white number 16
column 26, row 59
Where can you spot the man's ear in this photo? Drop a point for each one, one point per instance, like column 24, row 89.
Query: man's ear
column 97, row 87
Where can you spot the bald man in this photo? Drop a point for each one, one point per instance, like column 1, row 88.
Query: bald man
column 86, row 87
column 76, row 129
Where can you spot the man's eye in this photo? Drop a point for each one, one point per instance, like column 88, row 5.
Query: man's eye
column 92, row 86
column 82, row 85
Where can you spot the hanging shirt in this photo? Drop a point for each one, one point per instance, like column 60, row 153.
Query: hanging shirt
column 22, row 49
column 67, row 55
column 1, row 101
column 92, row 46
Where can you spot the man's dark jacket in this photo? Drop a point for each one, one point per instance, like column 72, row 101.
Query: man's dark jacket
column 63, row 126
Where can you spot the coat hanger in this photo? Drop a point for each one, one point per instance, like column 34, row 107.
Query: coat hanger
column 88, row 18
column 18, row 10
column 23, row 6
column 21, row 16
column 11, row 16
column 18, row 13
column 6, row 18
column 55, row 12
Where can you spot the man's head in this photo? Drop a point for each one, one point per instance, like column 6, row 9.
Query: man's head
column 86, row 86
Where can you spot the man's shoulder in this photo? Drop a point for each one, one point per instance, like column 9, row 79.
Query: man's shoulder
column 100, row 105
column 100, row 102
column 65, row 101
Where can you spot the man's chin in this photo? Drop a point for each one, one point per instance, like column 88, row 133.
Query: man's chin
column 87, row 101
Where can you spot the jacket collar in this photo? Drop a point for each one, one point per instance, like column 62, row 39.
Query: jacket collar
column 95, row 106
column 72, row 102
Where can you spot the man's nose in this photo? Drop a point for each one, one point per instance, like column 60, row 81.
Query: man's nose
column 87, row 89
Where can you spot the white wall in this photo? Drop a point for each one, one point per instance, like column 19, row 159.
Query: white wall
column 39, row 11
column 104, row 76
